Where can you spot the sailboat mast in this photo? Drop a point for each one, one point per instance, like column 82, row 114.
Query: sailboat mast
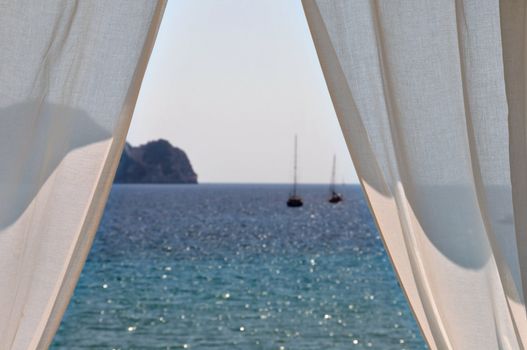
column 294, row 200
column 295, row 166
column 332, row 187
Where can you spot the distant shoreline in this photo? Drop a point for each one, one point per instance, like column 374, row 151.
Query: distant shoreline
column 156, row 162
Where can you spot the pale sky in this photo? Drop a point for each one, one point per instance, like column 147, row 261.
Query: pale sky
column 231, row 82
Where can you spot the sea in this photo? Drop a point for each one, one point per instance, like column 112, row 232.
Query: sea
column 215, row 266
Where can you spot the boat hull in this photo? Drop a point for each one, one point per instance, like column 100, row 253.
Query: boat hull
column 335, row 198
column 294, row 202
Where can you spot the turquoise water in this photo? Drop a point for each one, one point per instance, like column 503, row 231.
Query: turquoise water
column 231, row 267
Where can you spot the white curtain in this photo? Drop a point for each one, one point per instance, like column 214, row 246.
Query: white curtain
column 430, row 97
column 70, row 73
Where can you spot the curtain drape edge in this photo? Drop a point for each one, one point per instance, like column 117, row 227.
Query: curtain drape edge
column 316, row 26
column 43, row 337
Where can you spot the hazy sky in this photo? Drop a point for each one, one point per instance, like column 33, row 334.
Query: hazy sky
column 230, row 82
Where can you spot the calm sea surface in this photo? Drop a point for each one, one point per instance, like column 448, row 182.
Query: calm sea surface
column 231, row 267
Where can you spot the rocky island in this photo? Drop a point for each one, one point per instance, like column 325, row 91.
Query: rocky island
column 155, row 162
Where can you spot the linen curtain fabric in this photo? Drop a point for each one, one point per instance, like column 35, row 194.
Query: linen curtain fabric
column 430, row 96
column 70, row 73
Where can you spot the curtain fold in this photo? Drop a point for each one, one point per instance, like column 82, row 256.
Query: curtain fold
column 70, row 74
column 430, row 97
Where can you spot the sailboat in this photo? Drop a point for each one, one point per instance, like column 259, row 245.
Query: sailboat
column 294, row 199
column 335, row 197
